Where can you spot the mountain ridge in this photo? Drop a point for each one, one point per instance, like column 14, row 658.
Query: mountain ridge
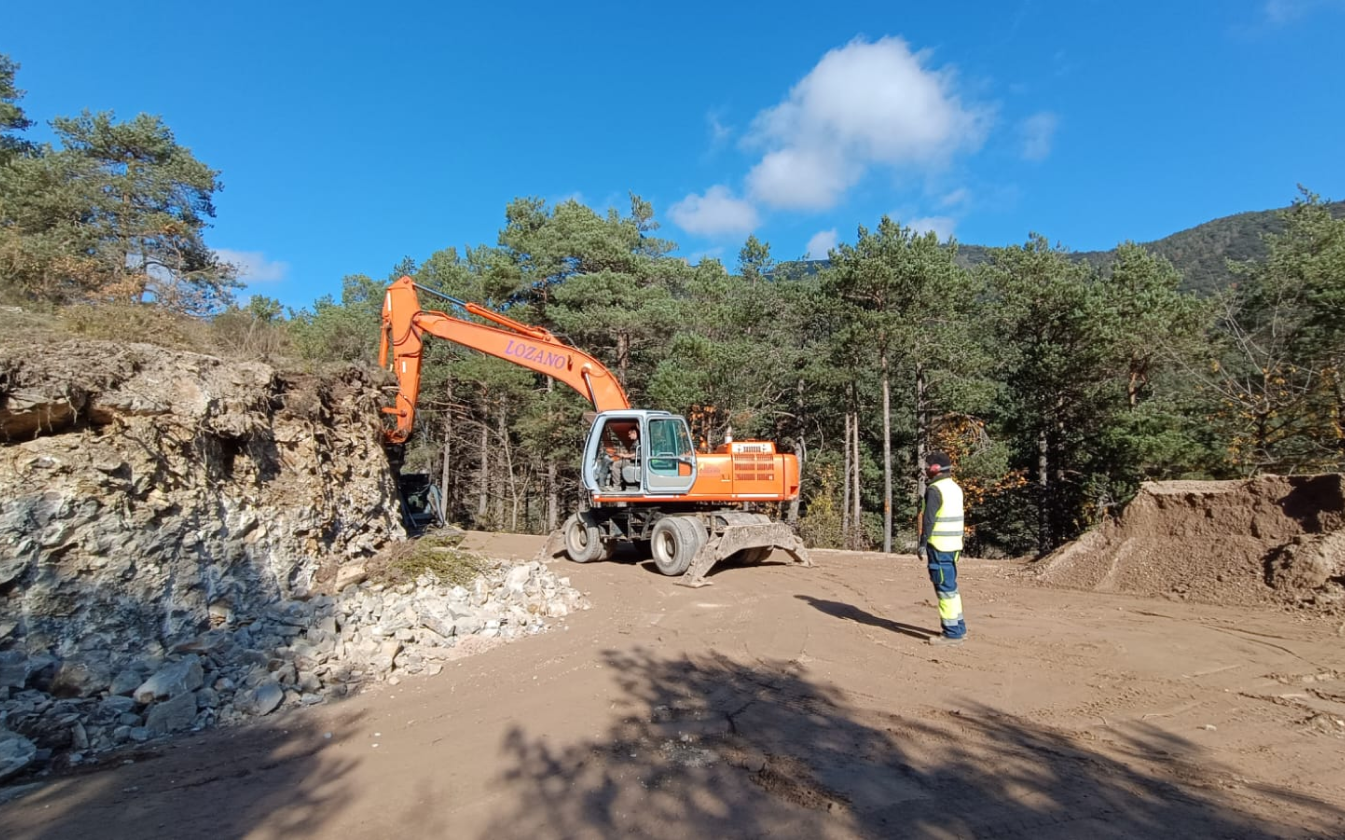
column 1199, row 253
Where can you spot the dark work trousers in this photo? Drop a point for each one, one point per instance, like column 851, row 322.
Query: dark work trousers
column 943, row 574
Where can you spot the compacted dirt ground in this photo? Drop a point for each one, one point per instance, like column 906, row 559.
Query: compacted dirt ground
column 785, row 702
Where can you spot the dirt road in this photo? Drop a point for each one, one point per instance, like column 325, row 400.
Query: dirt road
column 785, row 702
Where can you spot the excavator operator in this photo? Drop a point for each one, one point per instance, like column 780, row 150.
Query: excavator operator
column 627, row 454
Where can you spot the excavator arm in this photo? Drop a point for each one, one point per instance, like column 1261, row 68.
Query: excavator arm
column 405, row 325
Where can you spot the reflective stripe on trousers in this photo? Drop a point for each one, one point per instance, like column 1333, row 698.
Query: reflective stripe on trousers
column 943, row 574
column 950, row 609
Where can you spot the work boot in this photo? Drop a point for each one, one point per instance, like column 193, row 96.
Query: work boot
column 945, row 641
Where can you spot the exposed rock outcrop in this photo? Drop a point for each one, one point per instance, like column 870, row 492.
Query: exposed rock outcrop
column 163, row 516
column 146, row 493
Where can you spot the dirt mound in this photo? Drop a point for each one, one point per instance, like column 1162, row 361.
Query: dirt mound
column 1267, row 540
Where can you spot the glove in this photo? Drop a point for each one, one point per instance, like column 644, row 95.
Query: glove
column 920, row 548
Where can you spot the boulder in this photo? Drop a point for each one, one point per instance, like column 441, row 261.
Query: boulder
column 265, row 698
column 171, row 680
column 13, row 669
column 350, row 574
column 16, row 753
column 85, row 677
column 172, row 715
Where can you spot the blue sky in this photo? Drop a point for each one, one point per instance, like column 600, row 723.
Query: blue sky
column 352, row 135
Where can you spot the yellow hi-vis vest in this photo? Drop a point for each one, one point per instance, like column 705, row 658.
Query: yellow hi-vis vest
column 947, row 533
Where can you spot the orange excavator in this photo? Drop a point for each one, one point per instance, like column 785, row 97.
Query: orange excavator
column 643, row 480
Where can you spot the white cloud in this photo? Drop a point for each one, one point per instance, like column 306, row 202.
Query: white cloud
column 961, row 195
column 719, row 133
column 864, row 104
column 941, row 225
column 1062, row 64
column 576, row 196
column 803, row 179
column 718, row 212
column 253, row 266
column 1280, row 12
column 1038, row 133
column 822, row 242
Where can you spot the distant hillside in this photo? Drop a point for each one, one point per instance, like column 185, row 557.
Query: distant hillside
column 1199, row 253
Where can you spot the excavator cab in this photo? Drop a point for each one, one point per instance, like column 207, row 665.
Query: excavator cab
column 639, row 453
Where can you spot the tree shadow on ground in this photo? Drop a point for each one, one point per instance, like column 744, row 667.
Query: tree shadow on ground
column 710, row 747
column 852, row 613
column 279, row 779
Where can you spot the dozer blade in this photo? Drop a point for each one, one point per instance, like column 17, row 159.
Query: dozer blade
column 553, row 547
column 738, row 537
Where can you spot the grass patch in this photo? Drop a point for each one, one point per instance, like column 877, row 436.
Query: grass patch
column 135, row 322
column 233, row 334
column 433, row 554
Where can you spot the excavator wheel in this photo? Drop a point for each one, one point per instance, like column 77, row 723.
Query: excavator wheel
column 675, row 541
column 752, row 556
column 583, row 542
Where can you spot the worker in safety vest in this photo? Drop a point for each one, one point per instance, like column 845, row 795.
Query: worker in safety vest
column 941, row 542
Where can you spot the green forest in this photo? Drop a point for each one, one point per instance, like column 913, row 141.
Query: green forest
column 1058, row 382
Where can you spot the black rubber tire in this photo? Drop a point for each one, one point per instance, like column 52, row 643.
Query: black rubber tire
column 674, row 543
column 583, row 542
column 752, row 556
column 695, row 534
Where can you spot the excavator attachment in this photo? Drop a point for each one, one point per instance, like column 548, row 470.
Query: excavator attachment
column 687, row 546
column 553, row 547
column 746, row 538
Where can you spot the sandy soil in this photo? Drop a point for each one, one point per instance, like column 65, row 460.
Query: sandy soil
column 1265, row 540
column 784, row 702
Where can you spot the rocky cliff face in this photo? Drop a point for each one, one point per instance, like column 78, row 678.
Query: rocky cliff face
column 163, row 519
column 147, row 495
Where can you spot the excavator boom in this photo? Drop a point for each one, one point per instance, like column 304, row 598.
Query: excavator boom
column 405, row 324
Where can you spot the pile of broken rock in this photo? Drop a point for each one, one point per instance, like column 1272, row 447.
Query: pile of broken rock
column 295, row 653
